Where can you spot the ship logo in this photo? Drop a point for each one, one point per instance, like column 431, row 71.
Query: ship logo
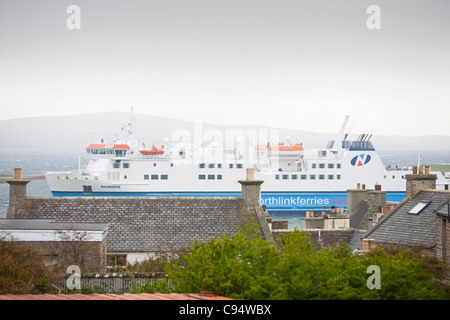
column 360, row 160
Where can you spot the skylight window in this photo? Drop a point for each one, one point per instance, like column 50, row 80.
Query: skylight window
column 418, row 208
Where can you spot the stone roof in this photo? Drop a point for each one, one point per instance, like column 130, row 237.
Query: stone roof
column 444, row 210
column 357, row 216
column 148, row 224
column 401, row 227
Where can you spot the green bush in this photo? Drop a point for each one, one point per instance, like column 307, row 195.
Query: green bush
column 23, row 269
column 247, row 266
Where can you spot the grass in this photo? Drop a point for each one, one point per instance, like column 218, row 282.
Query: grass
column 440, row 167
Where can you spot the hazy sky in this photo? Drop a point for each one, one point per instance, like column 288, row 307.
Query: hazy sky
column 293, row 64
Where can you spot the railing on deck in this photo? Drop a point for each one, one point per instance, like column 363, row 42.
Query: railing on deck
column 111, row 282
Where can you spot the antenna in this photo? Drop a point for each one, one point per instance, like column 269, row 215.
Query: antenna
column 340, row 135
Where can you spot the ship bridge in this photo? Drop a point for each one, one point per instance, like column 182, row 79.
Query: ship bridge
column 99, row 151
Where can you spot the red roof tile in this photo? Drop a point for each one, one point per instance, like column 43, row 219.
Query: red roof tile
column 110, row 296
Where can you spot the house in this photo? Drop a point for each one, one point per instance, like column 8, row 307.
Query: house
column 443, row 232
column 421, row 219
column 139, row 227
column 412, row 222
column 49, row 237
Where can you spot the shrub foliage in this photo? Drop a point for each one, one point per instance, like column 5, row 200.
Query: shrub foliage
column 246, row 266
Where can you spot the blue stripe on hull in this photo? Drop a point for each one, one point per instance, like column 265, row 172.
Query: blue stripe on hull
column 275, row 202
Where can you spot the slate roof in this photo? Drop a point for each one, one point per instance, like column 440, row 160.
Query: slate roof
column 148, row 224
column 358, row 215
column 399, row 227
column 444, row 210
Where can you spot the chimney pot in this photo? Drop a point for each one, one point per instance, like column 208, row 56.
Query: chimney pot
column 364, row 186
column 17, row 173
column 365, row 244
column 371, row 243
column 250, row 174
column 427, row 170
column 358, row 186
column 414, row 170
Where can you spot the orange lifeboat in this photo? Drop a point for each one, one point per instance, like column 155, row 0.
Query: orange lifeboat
column 281, row 147
column 151, row 152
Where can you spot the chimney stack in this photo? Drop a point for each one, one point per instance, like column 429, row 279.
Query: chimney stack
column 251, row 190
column 416, row 182
column 375, row 200
column 17, row 194
column 355, row 197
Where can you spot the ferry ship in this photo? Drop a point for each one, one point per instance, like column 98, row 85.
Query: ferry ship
column 295, row 179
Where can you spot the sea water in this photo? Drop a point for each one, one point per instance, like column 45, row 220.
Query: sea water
column 35, row 188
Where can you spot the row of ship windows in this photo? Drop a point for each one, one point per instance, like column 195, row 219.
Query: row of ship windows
column 116, row 165
column 156, row 177
column 117, row 153
column 323, row 165
column 219, row 165
column 209, row 176
column 166, row 177
column 305, row 177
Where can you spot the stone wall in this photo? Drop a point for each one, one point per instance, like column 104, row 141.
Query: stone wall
column 311, row 223
column 355, row 197
column 280, row 224
column 375, row 201
column 443, row 238
column 416, row 182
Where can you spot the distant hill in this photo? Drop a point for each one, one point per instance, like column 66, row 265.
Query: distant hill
column 75, row 131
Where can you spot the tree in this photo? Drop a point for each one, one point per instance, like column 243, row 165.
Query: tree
column 75, row 248
column 246, row 266
column 22, row 268
column 238, row 266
